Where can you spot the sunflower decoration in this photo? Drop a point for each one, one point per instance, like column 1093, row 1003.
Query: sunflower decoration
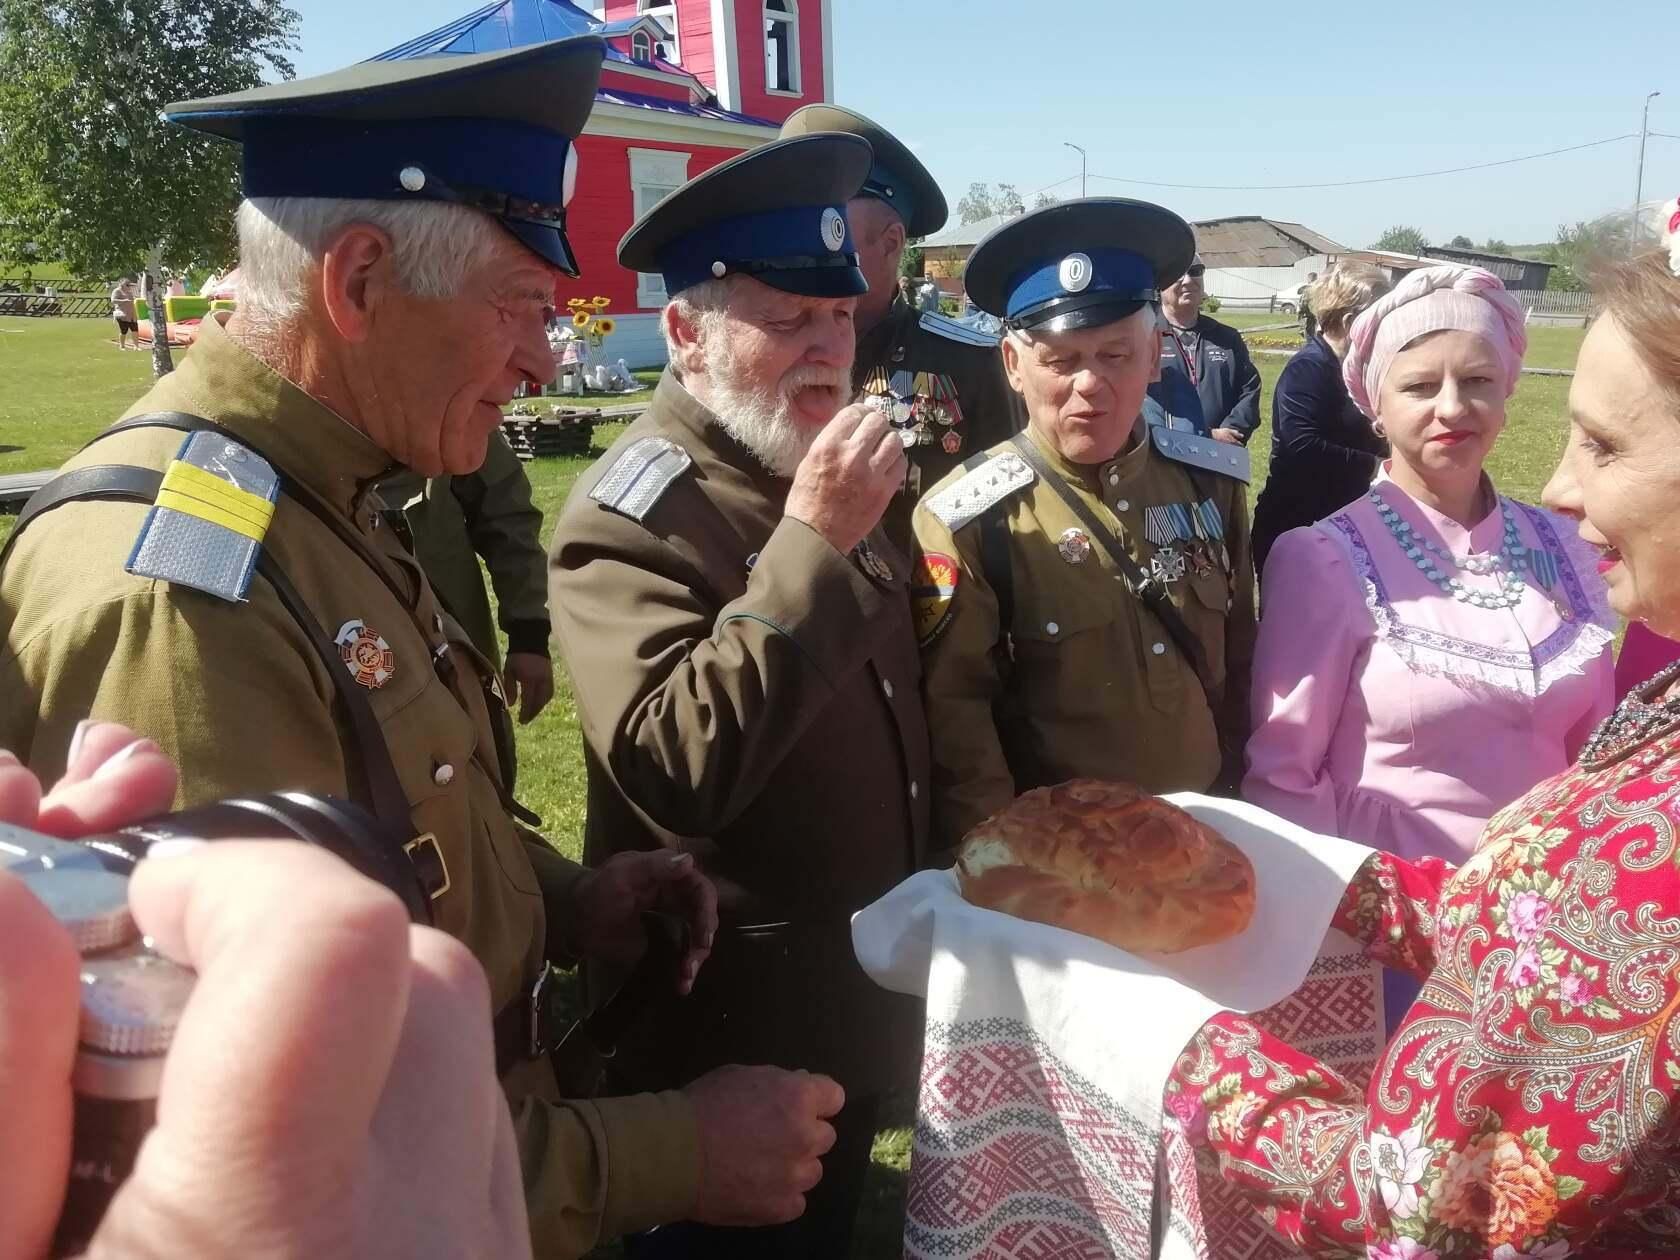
column 582, row 319
column 575, row 303
column 606, row 326
column 600, row 303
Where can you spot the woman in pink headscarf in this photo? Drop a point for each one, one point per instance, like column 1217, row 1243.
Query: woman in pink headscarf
column 1433, row 650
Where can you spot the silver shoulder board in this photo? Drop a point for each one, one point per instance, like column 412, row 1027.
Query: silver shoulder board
column 951, row 330
column 640, row 476
column 991, row 483
column 208, row 522
column 1184, row 447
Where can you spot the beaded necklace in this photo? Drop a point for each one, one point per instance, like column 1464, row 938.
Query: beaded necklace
column 1636, row 722
column 1506, row 566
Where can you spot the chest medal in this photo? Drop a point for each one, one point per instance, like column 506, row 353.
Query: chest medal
column 366, row 654
column 922, row 406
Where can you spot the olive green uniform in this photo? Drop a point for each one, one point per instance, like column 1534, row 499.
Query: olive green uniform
column 908, row 349
column 455, row 520
column 235, row 693
column 748, row 695
column 1083, row 680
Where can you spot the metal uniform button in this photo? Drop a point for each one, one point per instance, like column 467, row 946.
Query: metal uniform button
column 1158, row 648
column 915, row 789
column 444, row 775
column 1113, row 478
column 1123, row 505
column 886, row 686
column 1050, row 627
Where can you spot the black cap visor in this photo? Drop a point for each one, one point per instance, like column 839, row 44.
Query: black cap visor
column 1083, row 310
column 547, row 242
column 818, row 278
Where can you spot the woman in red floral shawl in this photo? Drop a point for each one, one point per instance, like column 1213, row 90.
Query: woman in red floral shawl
column 1527, row 1104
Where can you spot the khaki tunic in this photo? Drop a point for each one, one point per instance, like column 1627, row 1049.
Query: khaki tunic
column 1087, row 682
column 747, row 694
column 235, row 693
column 991, row 411
column 455, row 521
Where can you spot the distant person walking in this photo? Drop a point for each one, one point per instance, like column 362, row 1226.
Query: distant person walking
column 122, row 310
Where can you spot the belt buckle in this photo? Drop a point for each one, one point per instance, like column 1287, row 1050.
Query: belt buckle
column 429, row 842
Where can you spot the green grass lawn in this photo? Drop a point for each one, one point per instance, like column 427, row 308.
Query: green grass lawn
column 61, row 381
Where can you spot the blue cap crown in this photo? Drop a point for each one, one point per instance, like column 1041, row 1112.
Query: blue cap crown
column 789, row 238
column 1105, row 275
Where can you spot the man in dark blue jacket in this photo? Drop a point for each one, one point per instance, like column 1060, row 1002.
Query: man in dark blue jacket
column 1208, row 382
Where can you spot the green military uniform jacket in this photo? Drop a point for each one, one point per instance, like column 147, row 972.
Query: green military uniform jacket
column 749, row 695
column 455, row 520
column 234, row 692
column 908, row 349
column 1083, row 680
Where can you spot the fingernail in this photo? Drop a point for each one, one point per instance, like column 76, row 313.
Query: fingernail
column 173, row 848
column 76, row 739
column 126, row 753
column 678, row 859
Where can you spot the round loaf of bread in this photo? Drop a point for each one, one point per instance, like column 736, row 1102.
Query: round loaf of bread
column 1113, row 862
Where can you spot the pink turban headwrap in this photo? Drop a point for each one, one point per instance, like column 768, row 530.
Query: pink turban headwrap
column 1433, row 299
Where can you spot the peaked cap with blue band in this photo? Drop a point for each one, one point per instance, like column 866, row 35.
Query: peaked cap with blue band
column 776, row 213
column 1080, row 264
column 897, row 178
column 491, row 131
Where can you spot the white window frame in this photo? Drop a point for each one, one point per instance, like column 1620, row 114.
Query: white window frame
column 654, row 175
column 789, row 19
column 665, row 13
column 641, row 45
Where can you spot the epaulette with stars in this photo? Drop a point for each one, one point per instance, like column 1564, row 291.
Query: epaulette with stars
column 983, row 487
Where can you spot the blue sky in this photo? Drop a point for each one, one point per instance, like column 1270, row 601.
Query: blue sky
column 1238, row 93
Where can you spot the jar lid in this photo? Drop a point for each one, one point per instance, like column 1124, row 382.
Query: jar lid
column 132, row 1001
column 73, row 882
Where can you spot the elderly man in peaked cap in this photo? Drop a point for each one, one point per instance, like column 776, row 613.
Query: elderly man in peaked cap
column 216, row 571
column 940, row 381
column 738, row 632
column 1084, row 593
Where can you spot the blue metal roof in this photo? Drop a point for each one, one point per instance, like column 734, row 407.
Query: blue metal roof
column 506, row 24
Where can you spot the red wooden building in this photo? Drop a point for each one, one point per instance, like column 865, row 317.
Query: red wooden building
column 686, row 85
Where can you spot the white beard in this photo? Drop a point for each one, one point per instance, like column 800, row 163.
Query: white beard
column 765, row 425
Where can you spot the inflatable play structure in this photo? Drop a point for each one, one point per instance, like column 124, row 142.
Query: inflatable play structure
column 183, row 312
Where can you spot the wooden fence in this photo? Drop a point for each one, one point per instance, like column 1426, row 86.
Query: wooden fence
column 33, row 300
column 1555, row 302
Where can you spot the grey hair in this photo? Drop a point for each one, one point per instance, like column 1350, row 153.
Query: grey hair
column 436, row 246
column 700, row 304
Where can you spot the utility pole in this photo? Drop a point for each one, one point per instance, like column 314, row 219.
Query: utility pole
column 1081, row 152
column 1639, row 184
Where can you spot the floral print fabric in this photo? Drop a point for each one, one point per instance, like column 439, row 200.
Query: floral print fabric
column 1526, row 1105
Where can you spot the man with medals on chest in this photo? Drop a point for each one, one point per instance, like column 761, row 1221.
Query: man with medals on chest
column 1209, row 383
column 737, row 628
column 1084, row 592
column 938, row 380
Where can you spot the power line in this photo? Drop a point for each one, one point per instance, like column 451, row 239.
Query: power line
column 1665, row 135
column 1382, row 179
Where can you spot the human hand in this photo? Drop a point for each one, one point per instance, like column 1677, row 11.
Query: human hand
column 608, row 902
column 331, row 1088
column 1227, row 435
column 529, row 678
column 763, row 1133
column 846, row 480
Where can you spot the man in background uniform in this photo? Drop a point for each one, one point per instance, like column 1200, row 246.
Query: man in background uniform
column 737, row 628
column 216, row 571
column 939, row 380
column 453, row 521
column 1209, row 384
column 1084, row 593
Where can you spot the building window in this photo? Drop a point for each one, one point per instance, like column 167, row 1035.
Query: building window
column 665, row 14
column 781, row 46
column 641, row 47
column 654, row 175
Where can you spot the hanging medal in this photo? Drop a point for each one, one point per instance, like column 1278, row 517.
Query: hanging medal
column 951, row 441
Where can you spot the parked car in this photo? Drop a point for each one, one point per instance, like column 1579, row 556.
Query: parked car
column 1288, row 301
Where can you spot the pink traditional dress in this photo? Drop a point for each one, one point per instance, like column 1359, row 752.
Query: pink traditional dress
column 1412, row 676
column 1529, row 1105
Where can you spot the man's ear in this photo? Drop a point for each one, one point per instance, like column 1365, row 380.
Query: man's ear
column 893, row 240
column 357, row 274
column 1011, row 351
column 684, row 334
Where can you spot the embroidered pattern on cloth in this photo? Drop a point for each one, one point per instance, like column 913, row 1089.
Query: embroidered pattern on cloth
column 1565, row 652
column 1016, row 1155
column 1526, row 1106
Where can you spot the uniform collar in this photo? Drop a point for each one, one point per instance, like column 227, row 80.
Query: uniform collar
column 875, row 344
column 1098, row 477
column 222, row 381
column 681, row 411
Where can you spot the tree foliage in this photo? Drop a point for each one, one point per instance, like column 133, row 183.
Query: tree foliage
column 1401, row 239
column 983, row 200
column 1494, row 245
column 1579, row 246
column 1461, row 242
column 93, row 176
column 1044, row 200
